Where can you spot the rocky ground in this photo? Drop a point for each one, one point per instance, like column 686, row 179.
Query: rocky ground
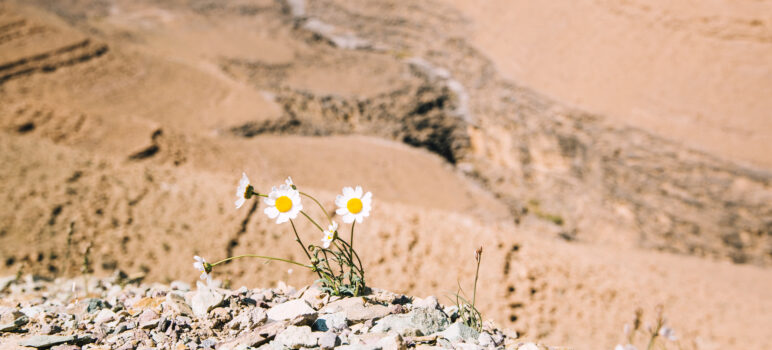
column 121, row 313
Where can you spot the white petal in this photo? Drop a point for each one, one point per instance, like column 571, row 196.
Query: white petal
column 367, row 197
column 348, row 192
column 359, row 219
column 348, row 218
column 272, row 212
column 341, row 211
column 358, row 192
column 339, row 201
column 198, row 258
column 239, row 202
column 203, row 275
column 282, row 219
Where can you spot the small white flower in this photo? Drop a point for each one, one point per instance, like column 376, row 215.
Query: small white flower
column 353, row 205
column 289, row 182
column 668, row 333
column 202, row 266
column 283, row 203
column 329, row 234
column 244, row 191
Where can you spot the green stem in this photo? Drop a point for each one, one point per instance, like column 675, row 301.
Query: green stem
column 312, row 221
column 329, row 218
column 476, row 274
column 351, row 245
column 261, row 257
column 297, row 238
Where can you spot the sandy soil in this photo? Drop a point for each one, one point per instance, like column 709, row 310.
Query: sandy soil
column 693, row 71
column 126, row 125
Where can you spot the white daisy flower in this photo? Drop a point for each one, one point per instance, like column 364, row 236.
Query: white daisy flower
column 283, row 204
column 244, row 191
column 329, row 234
column 202, row 266
column 352, row 205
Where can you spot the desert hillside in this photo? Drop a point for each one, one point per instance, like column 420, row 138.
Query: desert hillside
column 597, row 183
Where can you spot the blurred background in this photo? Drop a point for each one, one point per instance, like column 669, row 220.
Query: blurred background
column 608, row 155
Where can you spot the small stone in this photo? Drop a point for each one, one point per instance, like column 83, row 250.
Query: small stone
column 220, row 316
column 177, row 305
column 15, row 325
column 204, row 300
column 66, row 347
column 392, row 342
column 6, row 281
column 331, row 322
column 95, row 305
column 528, row 346
column 459, row 331
column 356, row 310
column 297, row 337
column 429, row 302
column 148, row 319
column 485, row 340
column 104, row 315
column 418, row 322
column 328, row 340
column 49, row 328
column 466, row 346
column 180, row 285
column 47, row 341
column 291, row 310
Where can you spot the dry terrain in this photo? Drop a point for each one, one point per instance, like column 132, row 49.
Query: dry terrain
column 126, row 125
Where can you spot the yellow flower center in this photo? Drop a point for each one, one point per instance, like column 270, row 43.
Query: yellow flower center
column 283, row 204
column 354, row 205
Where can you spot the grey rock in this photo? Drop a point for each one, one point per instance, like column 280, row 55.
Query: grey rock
column 392, row 342
column 50, row 328
column 47, row 341
column 429, row 302
column 328, row 340
column 15, row 325
column 459, row 331
column 204, row 300
column 291, row 310
column 95, row 305
column 331, row 322
column 356, row 310
column 177, row 305
column 418, row 322
column 297, row 337
column 104, row 315
column 6, row 281
column 32, row 311
column 485, row 340
column 146, row 316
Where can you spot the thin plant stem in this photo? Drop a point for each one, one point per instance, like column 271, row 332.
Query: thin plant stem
column 312, row 221
column 261, row 257
column 476, row 275
column 329, row 218
column 351, row 245
column 297, row 237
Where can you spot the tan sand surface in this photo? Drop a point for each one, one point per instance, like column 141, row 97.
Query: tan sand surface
column 127, row 124
column 699, row 72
